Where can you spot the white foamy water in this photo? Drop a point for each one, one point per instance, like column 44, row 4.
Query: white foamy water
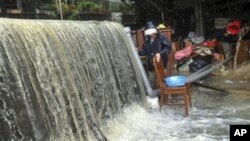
column 209, row 120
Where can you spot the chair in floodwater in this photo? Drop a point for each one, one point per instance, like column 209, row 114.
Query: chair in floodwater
column 167, row 92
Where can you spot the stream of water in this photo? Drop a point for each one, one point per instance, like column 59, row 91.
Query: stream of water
column 62, row 80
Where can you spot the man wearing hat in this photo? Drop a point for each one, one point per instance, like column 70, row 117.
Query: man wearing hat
column 155, row 45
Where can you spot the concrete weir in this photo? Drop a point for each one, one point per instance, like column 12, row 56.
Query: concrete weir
column 63, row 80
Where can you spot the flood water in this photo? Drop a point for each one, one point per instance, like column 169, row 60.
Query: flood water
column 209, row 119
column 62, row 81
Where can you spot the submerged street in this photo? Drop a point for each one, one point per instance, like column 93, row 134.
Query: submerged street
column 210, row 117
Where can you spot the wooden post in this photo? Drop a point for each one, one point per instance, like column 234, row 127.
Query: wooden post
column 236, row 52
column 140, row 38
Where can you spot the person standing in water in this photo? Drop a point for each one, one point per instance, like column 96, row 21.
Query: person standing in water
column 155, row 44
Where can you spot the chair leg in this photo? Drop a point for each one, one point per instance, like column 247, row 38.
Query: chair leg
column 190, row 97
column 185, row 103
column 161, row 101
column 169, row 98
column 189, row 94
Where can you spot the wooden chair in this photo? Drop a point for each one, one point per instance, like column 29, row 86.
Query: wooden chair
column 166, row 92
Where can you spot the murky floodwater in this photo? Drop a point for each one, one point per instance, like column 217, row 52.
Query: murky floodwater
column 210, row 117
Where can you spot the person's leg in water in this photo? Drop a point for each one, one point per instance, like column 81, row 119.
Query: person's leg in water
column 152, row 79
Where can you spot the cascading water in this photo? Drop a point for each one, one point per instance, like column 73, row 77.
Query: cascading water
column 62, row 80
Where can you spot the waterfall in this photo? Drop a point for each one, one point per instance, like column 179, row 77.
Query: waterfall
column 62, row 80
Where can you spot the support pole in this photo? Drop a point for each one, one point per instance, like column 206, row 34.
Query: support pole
column 237, row 52
column 137, row 59
column 60, row 9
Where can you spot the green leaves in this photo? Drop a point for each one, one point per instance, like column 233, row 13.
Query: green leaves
column 87, row 5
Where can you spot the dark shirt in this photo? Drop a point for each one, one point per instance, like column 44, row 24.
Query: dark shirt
column 159, row 45
column 219, row 35
column 246, row 36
